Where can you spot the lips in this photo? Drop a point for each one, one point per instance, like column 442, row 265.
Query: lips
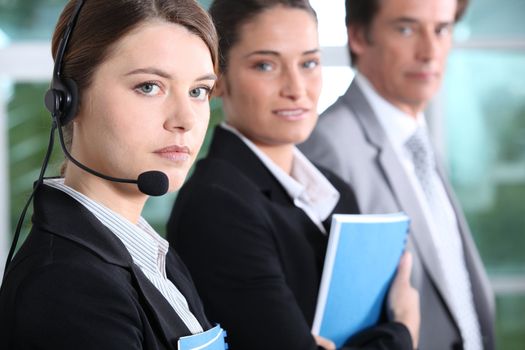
column 291, row 113
column 422, row 75
column 174, row 153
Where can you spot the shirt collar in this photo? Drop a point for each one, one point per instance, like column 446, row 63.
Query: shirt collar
column 305, row 183
column 147, row 248
column 398, row 125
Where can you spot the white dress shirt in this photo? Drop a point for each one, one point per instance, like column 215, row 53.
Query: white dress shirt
column 147, row 249
column 306, row 185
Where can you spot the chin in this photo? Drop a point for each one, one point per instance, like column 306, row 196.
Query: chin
column 176, row 180
column 174, row 187
column 303, row 136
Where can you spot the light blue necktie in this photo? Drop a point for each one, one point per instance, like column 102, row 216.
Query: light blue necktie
column 450, row 252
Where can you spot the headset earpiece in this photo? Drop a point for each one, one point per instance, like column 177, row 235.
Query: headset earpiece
column 62, row 99
column 72, row 99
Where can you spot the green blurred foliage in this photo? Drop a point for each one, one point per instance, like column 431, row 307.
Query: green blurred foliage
column 510, row 325
column 499, row 231
column 28, row 129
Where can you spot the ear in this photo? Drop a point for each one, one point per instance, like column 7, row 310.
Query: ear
column 357, row 39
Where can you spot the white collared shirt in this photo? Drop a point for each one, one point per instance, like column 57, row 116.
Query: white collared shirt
column 147, row 249
column 399, row 127
column 306, row 185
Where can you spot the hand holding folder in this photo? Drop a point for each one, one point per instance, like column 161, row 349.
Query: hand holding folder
column 403, row 298
column 361, row 260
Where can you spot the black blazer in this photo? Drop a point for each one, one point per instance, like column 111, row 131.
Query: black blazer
column 255, row 257
column 73, row 285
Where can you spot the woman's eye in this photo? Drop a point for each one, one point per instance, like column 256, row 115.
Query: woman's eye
column 200, row 93
column 263, row 66
column 149, row 89
column 311, row 64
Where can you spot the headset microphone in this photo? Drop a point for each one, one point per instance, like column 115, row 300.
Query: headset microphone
column 152, row 183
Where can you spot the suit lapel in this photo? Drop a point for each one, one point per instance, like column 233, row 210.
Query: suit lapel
column 231, row 148
column 169, row 324
column 400, row 186
column 180, row 276
column 75, row 222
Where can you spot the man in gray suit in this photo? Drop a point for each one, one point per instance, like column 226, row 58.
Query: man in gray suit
column 375, row 138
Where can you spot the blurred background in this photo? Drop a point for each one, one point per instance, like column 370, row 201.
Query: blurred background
column 477, row 121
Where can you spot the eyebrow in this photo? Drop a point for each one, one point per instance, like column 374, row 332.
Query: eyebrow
column 415, row 21
column 275, row 53
column 163, row 74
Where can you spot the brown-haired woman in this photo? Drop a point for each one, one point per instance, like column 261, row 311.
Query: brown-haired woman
column 93, row 274
column 252, row 221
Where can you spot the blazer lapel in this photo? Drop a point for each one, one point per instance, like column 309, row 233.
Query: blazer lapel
column 231, row 148
column 168, row 323
column 77, row 223
column 180, row 276
column 400, row 185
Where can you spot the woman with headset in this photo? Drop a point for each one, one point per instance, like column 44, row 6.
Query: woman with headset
column 252, row 222
column 131, row 90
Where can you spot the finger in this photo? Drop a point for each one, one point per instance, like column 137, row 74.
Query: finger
column 405, row 267
column 325, row 343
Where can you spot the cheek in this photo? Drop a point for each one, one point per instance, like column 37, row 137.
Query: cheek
column 314, row 86
column 253, row 92
column 202, row 119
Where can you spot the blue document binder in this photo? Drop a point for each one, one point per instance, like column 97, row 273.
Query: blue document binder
column 361, row 260
column 212, row 339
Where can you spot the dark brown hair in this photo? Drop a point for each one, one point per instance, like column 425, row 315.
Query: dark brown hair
column 229, row 15
column 102, row 23
column 361, row 13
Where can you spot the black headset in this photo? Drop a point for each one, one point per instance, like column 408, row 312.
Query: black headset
column 62, row 101
column 62, row 97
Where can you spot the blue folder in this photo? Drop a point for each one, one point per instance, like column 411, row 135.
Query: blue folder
column 361, row 260
column 212, row 339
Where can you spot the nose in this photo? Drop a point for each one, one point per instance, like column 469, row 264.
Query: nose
column 293, row 86
column 428, row 46
column 180, row 115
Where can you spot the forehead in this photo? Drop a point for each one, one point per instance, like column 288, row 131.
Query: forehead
column 279, row 28
column 420, row 10
column 166, row 45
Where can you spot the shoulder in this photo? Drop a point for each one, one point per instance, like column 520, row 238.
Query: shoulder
column 65, row 301
column 217, row 180
column 218, row 198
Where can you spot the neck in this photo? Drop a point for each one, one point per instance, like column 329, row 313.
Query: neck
column 410, row 108
column 412, row 111
column 124, row 199
column 281, row 155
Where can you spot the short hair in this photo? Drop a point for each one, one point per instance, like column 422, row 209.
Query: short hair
column 361, row 13
column 229, row 15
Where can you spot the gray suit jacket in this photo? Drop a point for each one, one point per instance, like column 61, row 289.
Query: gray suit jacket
column 350, row 141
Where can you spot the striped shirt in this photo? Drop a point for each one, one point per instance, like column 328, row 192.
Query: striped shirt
column 147, row 249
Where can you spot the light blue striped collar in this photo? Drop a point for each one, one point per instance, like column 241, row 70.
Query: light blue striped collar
column 147, row 248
